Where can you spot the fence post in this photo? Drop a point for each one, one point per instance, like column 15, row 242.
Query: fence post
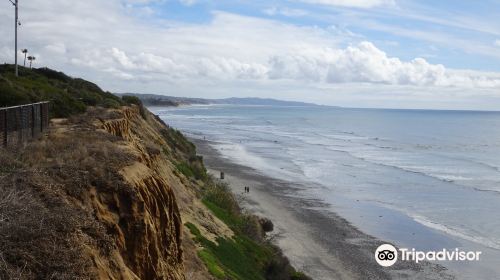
column 47, row 113
column 33, row 120
column 42, row 108
column 5, row 132
column 40, row 113
column 18, row 125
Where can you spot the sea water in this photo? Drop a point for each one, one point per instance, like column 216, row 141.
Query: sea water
column 423, row 179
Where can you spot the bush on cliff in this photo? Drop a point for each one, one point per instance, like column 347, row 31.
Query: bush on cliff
column 248, row 255
column 134, row 100
column 43, row 234
column 183, row 154
column 68, row 96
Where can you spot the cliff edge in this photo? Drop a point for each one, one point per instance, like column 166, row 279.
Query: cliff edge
column 99, row 197
column 110, row 191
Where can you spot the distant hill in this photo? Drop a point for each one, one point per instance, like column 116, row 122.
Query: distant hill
column 162, row 100
column 260, row 101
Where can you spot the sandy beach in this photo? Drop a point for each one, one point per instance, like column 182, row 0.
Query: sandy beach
column 316, row 240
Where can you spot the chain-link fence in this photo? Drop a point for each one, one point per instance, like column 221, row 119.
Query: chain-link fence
column 21, row 123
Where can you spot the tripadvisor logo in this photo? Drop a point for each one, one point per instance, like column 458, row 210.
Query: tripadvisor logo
column 386, row 255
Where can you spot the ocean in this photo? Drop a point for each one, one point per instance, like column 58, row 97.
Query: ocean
column 423, row 179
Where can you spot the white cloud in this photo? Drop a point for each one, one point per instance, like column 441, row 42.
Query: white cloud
column 57, row 48
column 353, row 3
column 365, row 63
column 439, row 38
column 497, row 43
column 288, row 12
column 230, row 55
column 122, row 59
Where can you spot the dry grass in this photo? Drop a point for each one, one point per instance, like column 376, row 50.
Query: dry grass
column 43, row 230
column 38, row 232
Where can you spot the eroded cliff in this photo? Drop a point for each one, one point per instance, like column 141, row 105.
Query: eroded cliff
column 100, row 197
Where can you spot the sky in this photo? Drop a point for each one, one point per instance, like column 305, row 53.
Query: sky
column 354, row 53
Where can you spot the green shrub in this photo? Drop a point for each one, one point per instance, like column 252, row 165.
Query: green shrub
column 10, row 97
column 111, row 103
column 129, row 100
column 191, row 169
column 177, row 141
column 300, row 276
column 221, row 196
column 132, row 100
column 232, row 220
column 238, row 258
column 185, row 169
column 211, row 263
column 194, row 231
column 68, row 96
column 248, row 255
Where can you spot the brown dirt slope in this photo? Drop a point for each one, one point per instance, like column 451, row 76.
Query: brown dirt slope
column 99, row 197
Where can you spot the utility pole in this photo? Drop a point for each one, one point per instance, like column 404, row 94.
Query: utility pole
column 16, row 5
column 17, row 21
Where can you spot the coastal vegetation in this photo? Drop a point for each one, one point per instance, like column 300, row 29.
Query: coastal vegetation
column 68, row 96
column 102, row 192
column 250, row 254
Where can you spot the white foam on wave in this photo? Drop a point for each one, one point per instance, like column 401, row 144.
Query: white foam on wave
column 238, row 154
column 316, row 162
column 436, row 166
column 460, row 233
column 405, row 161
column 313, row 171
column 196, row 117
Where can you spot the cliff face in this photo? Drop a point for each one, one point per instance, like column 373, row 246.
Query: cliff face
column 164, row 196
column 109, row 176
column 146, row 224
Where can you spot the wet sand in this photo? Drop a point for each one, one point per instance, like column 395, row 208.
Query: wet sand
column 316, row 240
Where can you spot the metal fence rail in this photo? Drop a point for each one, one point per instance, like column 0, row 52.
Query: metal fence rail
column 21, row 123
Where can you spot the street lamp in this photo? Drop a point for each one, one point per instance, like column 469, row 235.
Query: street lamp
column 16, row 5
column 31, row 58
column 25, row 51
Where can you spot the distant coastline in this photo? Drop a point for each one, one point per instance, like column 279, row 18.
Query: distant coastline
column 152, row 100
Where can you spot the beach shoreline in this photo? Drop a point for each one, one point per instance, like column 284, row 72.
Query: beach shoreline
column 316, row 240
